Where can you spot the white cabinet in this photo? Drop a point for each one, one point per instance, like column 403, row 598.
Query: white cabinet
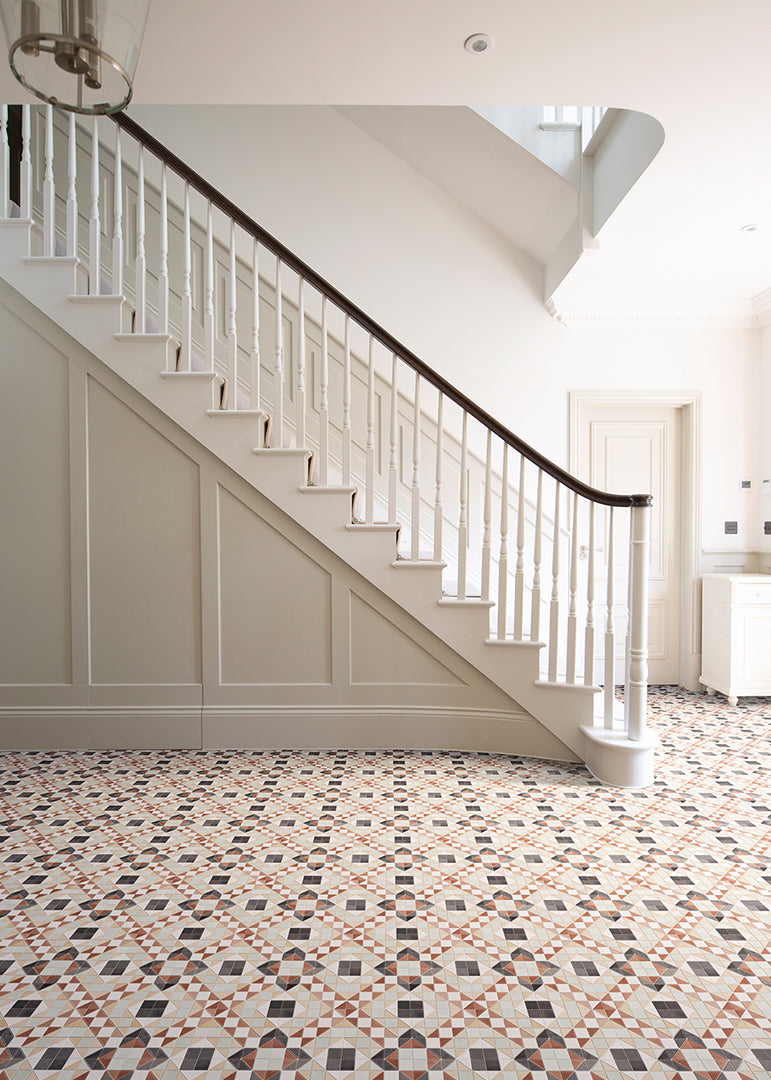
column 736, row 634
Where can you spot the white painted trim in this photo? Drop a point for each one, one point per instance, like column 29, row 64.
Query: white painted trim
column 690, row 404
column 560, row 125
column 740, row 319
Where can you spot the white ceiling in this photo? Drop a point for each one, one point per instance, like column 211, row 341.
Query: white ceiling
column 702, row 68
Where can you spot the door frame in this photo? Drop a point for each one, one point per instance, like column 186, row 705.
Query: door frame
column 689, row 402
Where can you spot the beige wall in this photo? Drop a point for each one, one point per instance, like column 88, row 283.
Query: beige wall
column 149, row 597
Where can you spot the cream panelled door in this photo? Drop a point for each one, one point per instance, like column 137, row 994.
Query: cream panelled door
column 631, row 449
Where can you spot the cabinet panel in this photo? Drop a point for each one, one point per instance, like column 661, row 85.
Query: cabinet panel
column 736, row 637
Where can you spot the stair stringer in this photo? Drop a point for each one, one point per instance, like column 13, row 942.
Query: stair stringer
column 280, row 475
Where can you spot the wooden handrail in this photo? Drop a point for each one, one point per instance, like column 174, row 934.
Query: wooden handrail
column 288, row 258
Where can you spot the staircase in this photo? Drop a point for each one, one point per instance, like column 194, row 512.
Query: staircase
column 341, row 427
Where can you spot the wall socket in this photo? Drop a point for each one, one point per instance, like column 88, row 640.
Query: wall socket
column 767, row 528
column 732, row 528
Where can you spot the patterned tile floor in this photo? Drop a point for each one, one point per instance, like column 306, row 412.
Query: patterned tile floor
column 302, row 915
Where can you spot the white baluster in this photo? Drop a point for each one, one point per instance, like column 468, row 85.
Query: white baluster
column 209, row 326
column 572, row 592
column 610, row 635
column 141, row 260
column 554, row 611
column 117, row 214
column 415, row 522
column 186, row 350
column 72, row 194
column 232, row 334
column 301, row 367
column 503, row 556
column 5, row 163
column 255, row 352
column 25, row 177
column 324, row 399
column 519, row 574
column 370, row 462
column 463, row 515
column 393, row 461
column 347, row 404
column 163, row 272
column 535, row 606
column 589, row 635
column 635, row 704
column 49, row 197
column 487, row 525
column 438, row 507
column 278, row 368
column 94, row 227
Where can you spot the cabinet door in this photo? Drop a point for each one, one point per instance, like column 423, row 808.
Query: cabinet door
column 752, row 658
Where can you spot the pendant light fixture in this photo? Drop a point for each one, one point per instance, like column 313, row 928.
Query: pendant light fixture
column 80, row 55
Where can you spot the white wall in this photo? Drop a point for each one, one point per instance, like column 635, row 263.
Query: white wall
column 461, row 297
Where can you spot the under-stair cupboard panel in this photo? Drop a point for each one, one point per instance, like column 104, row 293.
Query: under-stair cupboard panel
column 144, row 524
column 383, row 654
column 35, row 648
column 275, row 604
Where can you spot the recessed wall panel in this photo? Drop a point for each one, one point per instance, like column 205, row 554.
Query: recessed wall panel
column 144, row 550
column 275, row 604
column 381, row 653
column 35, row 643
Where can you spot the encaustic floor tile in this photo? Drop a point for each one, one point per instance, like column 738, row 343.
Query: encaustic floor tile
column 314, row 914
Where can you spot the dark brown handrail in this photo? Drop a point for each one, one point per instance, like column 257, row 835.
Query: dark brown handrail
column 289, row 259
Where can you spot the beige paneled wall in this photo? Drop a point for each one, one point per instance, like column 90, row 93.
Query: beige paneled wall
column 34, row 509
column 152, row 598
column 144, row 565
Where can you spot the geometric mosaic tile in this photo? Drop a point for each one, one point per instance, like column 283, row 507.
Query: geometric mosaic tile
column 415, row 914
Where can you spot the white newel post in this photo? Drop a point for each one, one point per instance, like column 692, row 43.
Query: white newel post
column 636, row 701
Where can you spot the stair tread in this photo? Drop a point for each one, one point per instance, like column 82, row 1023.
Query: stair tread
column 422, row 564
column 467, row 601
column 326, row 489
column 235, row 412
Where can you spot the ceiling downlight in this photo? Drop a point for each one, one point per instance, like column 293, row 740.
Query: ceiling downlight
column 478, row 43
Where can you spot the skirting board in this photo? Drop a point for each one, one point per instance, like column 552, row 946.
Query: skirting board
column 274, row 727
column 485, row 730
column 84, row 728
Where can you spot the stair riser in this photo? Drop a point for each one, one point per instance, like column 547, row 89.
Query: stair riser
column 14, row 243
column 54, row 277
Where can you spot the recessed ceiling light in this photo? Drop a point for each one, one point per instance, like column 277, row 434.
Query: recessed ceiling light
column 750, row 228
column 478, row 43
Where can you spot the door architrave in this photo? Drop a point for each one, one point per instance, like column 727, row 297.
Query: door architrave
column 689, row 402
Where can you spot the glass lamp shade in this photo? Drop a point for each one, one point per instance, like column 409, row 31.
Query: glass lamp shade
column 80, row 55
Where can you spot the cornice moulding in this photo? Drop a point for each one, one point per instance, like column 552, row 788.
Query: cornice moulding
column 728, row 320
